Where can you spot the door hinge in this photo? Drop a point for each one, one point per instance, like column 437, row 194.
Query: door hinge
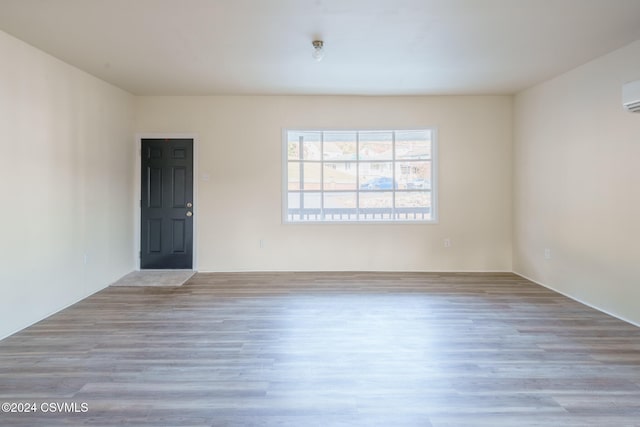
column 140, row 254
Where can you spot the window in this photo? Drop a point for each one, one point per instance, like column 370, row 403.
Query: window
column 360, row 176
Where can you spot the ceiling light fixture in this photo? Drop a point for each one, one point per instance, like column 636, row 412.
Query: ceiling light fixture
column 318, row 50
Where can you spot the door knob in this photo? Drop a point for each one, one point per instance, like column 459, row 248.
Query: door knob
column 189, row 213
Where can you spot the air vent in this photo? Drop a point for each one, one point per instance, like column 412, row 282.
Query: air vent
column 634, row 107
column 631, row 96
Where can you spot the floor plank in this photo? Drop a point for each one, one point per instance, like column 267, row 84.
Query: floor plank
column 325, row 349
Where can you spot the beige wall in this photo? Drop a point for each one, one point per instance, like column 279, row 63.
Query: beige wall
column 577, row 185
column 68, row 183
column 66, row 191
column 240, row 148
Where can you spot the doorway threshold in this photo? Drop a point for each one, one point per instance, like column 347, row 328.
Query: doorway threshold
column 155, row 278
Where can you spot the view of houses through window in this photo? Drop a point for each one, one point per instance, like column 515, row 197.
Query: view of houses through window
column 334, row 176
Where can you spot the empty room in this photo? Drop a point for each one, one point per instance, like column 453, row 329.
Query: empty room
column 320, row 213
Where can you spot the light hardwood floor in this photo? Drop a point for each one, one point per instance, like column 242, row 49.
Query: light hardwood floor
column 328, row 349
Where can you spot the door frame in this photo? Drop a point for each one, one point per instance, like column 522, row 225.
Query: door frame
column 137, row 192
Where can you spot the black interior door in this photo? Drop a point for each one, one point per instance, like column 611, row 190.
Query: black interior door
column 167, row 204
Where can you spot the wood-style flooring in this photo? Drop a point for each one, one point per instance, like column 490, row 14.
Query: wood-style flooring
column 327, row 349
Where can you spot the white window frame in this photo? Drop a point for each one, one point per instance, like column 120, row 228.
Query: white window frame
column 434, row 177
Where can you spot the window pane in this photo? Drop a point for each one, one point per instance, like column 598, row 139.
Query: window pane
column 376, row 176
column 293, row 206
column 339, row 146
column 376, row 146
column 311, row 176
column 340, row 176
column 412, row 199
column 293, row 150
column 413, row 145
column 334, row 200
column 376, row 200
column 310, row 210
column 293, row 200
column 293, row 175
column 312, row 200
column 340, row 206
column 310, row 145
column 376, row 206
column 413, row 175
column 413, row 205
column 311, row 150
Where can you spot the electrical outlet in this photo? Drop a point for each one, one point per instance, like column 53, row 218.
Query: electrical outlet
column 547, row 253
column 447, row 242
column 261, row 243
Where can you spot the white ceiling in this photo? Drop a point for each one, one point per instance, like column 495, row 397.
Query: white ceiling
column 373, row 47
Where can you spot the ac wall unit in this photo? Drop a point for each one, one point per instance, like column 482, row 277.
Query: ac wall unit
column 631, row 96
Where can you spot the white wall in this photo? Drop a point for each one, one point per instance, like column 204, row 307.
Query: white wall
column 67, row 169
column 240, row 148
column 577, row 185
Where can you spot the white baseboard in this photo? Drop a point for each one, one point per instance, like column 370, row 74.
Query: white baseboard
column 579, row 300
column 211, row 270
column 51, row 313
